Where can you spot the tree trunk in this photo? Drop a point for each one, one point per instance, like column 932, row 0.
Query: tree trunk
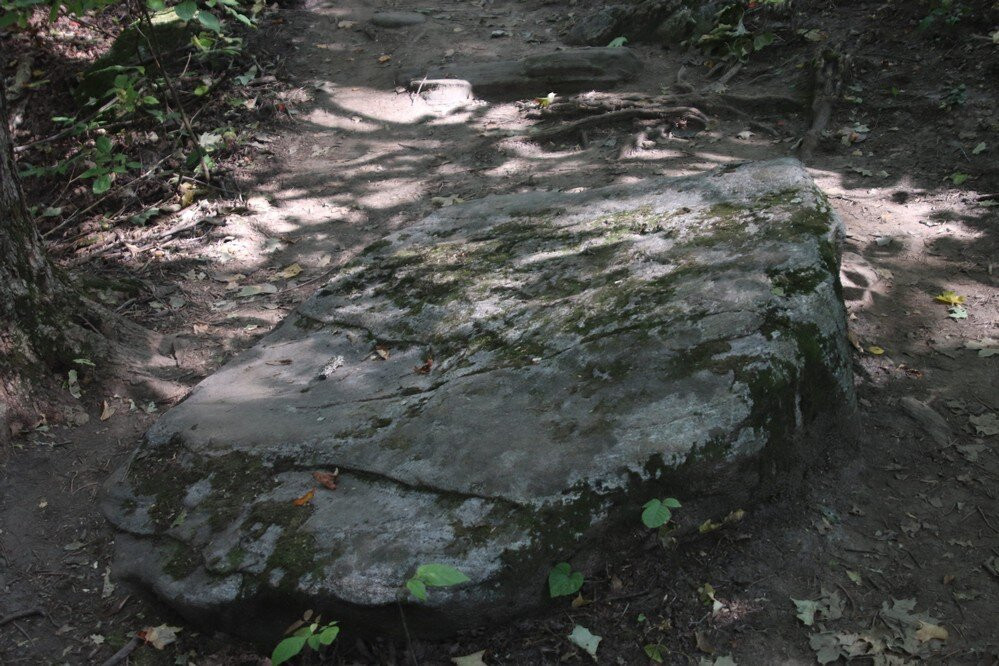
column 34, row 298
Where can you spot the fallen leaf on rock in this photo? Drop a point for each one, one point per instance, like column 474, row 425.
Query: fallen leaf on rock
column 282, row 361
column 305, row 499
column 949, row 297
column 107, row 589
column 854, row 576
column 930, row 632
column 382, row 351
column 159, row 637
column 327, row 479
column 107, row 411
column 290, row 271
column 474, row 659
column 986, row 424
column 256, row 289
column 582, row 637
column 957, row 312
column 384, row 59
column 877, row 351
column 425, row 368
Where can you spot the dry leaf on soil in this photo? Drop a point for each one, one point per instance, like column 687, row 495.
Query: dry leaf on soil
column 159, row 637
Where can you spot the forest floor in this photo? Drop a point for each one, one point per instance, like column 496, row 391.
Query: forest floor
column 908, row 512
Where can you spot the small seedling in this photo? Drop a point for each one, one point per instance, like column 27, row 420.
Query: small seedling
column 563, row 581
column 315, row 635
column 657, row 513
column 433, row 575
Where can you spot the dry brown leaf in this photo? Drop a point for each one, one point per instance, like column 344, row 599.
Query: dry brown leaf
column 282, row 361
column 382, row 351
column 425, row 368
column 107, row 411
column 327, row 479
column 305, row 499
column 702, row 643
column 579, row 601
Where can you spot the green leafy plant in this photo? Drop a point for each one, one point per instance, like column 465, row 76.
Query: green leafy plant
column 107, row 163
column 730, row 39
column 955, row 96
column 316, row 635
column 563, row 581
column 944, row 13
column 618, row 42
column 657, row 512
column 433, row 575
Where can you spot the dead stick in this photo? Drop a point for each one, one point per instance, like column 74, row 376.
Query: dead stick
column 617, row 116
column 122, row 654
column 17, row 615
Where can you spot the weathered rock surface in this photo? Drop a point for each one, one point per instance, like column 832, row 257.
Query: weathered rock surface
column 674, row 337
column 397, row 19
column 567, row 71
column 666, row 22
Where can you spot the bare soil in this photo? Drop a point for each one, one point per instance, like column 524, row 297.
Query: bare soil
column 907, row 511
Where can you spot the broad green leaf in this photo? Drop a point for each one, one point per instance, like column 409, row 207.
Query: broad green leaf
column 417, row 588
column 654, row 651
column 618, row 42
column 287, row 649
column 672, row 502
column 329, row 634
column 655, row 514
column 185, row 12
column 439, row 575
column 563, row 581
column 210, row 21
column 102, row 183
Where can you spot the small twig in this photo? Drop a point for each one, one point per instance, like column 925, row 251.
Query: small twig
column 405, row 630
column 155, row 51
column 981, row 512
column 17, row 615
column 122, row 654
column 677, row 112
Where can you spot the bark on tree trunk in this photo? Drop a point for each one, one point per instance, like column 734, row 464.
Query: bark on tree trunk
column 34, row 298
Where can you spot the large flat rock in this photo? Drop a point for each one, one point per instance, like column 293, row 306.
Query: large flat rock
column 566, row 71
column 674, row 337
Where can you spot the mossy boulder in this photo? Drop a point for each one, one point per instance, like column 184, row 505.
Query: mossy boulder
column 501, row 386
column 169, row 32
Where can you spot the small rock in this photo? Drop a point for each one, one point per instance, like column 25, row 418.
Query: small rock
column 495, row 34
column 397, row 19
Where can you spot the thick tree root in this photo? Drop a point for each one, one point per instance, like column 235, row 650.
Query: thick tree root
column 591, row 110
column 828, row 81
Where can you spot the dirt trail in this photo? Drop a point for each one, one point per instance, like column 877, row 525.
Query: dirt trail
column 910, row 512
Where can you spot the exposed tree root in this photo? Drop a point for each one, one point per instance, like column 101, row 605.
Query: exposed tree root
column 828, row 81
column 591, row 110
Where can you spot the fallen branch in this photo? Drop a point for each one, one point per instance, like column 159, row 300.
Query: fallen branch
column 17, row 615
column 122, row 654
column 676, row 114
